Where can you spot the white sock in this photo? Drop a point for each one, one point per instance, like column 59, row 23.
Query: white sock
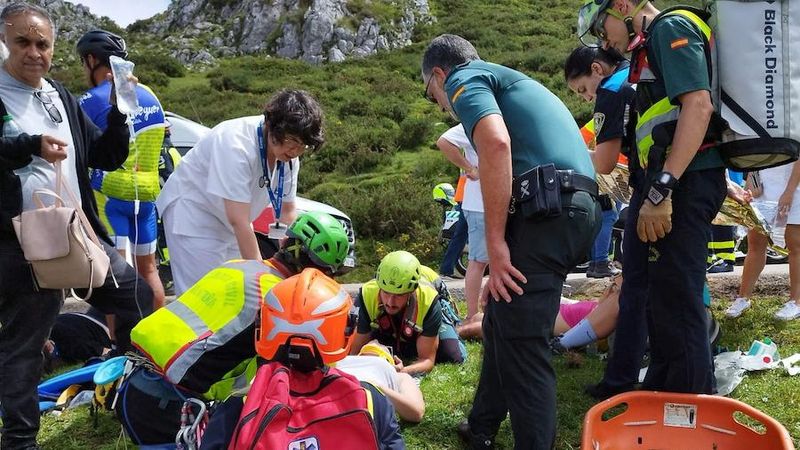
column 579, row 335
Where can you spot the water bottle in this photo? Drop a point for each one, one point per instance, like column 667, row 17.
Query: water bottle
column 778, row 228
column 10, row 128
column 766, row 349
column 127, row 101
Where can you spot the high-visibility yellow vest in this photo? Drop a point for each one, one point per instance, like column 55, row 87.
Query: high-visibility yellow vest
column 187, row 339
column 662, row 111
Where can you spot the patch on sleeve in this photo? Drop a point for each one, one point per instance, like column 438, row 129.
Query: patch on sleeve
column 678, row 43
column 457, row 94
column 599, row 120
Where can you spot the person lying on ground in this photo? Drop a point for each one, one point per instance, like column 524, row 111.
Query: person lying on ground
column 77, row 338
column 374, row 364
column 403, row 309
column 577, row 324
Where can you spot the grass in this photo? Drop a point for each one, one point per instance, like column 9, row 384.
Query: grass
column 450, row 388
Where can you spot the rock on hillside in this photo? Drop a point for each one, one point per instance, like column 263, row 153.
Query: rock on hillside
column 71, row 20
column 312, row 30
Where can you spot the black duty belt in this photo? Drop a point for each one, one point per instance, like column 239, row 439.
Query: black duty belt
column 568, row 180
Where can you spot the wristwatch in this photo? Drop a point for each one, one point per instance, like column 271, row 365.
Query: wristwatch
column 662, row 187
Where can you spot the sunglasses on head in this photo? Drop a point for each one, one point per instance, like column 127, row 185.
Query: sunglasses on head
column 49, row 106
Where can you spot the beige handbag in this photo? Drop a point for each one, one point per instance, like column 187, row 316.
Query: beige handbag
column 60, row 244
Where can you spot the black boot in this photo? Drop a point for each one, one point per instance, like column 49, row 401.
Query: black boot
column 474, row 441
column 601, row 269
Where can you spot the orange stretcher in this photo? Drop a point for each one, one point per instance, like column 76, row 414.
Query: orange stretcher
column 643, row 420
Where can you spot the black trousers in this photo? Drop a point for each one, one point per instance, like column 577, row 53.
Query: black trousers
column 680, row 357
column 631, row 332
column 26, row 317
column 516, row 375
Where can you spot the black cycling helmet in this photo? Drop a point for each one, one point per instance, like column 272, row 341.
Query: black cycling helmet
column 102, row 45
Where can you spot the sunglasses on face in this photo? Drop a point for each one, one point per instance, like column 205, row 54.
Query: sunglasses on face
column 49, row 106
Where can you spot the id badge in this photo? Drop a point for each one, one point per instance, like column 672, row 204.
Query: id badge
column 277, row 231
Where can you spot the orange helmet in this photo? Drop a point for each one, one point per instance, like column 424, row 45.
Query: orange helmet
column 306, row 321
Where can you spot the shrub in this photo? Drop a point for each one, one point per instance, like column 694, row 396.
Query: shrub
column 152, row 78
column 414, row 132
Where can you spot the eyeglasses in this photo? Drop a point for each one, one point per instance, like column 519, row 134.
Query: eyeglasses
column 48, row 105
column 599, row 27
column 425, row 94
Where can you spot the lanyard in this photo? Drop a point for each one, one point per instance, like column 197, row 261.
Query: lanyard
column 276, row 198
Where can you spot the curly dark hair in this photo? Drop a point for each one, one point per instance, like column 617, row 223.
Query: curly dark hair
column 295, row 113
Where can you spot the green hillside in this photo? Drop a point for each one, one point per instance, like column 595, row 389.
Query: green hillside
column 380, row 163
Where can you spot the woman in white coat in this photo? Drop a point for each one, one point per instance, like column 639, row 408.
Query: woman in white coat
column 231, row 175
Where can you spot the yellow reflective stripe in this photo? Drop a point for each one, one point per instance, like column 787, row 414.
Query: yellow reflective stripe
column 370, row 405
column 704, row 28
column 720, row 244
column 660, row 107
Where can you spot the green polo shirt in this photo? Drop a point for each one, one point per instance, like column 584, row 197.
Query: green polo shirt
column 676, row 52
column 542, row 129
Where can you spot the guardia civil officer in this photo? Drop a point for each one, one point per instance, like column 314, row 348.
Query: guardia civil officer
column 684, row 183
column 519, row 129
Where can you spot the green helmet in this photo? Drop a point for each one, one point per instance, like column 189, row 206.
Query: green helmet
column 444, row 193
column 587, row 21
column 398, row 272
column 322, row 237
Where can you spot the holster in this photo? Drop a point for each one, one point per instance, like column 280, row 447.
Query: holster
column 537, row 193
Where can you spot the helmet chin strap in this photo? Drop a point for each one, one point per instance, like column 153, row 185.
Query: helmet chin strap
column 634, row 38
column 92, row 70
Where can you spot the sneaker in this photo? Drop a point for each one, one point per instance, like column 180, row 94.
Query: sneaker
column 789, row 311
column 738, row 306
column 601, row 269
column 721, row 267
column 556, row 347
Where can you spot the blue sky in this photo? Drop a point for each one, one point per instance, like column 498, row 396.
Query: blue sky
column 124, row 12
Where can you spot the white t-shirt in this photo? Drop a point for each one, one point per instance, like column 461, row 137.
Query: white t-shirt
column 473, row 200
column 774, row 181
column 31, row 116
column 225, row 164
column 371, row 369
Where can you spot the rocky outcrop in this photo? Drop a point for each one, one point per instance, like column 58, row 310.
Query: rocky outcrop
column 312, row 30
column 71, row 20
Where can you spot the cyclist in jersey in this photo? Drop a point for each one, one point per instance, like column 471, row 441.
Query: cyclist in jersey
column 126, row 197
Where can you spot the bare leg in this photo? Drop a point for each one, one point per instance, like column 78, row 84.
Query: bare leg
column 146, row 265
column 792, row 236
column 754, row 262
column 471, row 329
column 561, row 326
column 604, row 318
column 472, row 286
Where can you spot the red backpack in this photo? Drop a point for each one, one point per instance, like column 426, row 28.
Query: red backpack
column 291, row 410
